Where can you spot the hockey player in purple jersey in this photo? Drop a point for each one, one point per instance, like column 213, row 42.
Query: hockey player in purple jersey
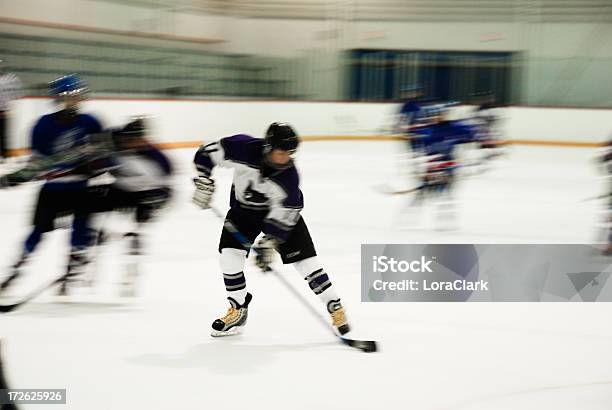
column 141, row 187
column 55, row 135
column 266, row 198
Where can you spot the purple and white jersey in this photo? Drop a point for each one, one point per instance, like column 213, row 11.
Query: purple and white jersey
column 256, row 186
column 141, row 170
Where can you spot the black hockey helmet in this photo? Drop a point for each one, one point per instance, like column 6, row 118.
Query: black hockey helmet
column 281, row 136
column 133, row 132
column 136, row 128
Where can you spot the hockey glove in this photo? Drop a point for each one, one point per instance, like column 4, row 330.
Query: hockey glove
column 264, row 252
column 205, row 188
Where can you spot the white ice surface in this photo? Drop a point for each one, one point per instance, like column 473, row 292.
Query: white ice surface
column 155, row 353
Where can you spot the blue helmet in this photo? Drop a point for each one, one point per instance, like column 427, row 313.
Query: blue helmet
column 68, row 85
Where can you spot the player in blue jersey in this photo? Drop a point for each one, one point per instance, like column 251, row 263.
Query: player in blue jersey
column 437, row 163
column 55, row 135
column 411, row 107
column 411, row 115
column 415, row 114
column 266, row 198
column 439, row 140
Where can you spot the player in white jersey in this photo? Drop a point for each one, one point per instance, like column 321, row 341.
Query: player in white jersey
column 485, row 121
column 10, row 90
column 265, row 198
column 141, row 188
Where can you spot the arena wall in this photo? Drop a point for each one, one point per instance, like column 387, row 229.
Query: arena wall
column 180, row 123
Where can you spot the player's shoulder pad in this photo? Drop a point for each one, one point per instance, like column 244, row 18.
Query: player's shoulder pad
column 90, row 121
column 42, row 128
column 45, row 120
column 243, row 149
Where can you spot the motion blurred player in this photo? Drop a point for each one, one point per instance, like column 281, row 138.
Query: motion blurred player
column 141, row 188
column 437, row 163
column 55, row 135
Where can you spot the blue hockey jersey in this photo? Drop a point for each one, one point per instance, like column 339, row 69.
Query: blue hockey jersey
column 51, row 137
column 442, row 138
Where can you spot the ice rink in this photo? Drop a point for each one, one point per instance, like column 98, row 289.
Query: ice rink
column 155, row 352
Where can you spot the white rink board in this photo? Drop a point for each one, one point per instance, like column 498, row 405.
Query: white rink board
column 196, row 120
column 204, row 120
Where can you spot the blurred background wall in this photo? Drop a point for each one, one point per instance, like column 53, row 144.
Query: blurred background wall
column 527, row 52
column 181, row 123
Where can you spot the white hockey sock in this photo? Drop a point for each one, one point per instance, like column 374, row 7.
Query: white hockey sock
column 232, row 266
column 313, row 272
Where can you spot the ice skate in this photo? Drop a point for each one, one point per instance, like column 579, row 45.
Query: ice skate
column 235, row 319
column 338, row 316
column 75, row 273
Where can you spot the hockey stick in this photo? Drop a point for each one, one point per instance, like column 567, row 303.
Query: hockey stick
column 595, row 198
column 6, row 308
column 389, row 190
column 367, row 346
column 32, row 295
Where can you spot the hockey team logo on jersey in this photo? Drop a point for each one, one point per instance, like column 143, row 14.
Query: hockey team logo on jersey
column 253, row 196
